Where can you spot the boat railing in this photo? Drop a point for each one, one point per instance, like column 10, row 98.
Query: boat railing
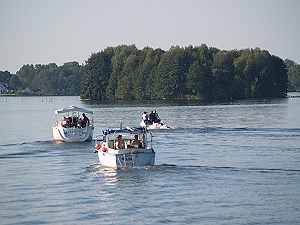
column 151, row 140
column 91, row 122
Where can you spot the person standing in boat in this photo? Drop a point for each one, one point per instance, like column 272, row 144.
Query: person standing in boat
column 85, row 121
column 145, row 117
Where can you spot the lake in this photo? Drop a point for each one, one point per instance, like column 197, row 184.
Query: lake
column 225, row 162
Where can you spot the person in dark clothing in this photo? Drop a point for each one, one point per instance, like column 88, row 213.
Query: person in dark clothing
column 156, row 117
column 85, row 121
column 152, row 117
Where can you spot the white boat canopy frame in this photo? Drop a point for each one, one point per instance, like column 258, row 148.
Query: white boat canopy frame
column 72, row 109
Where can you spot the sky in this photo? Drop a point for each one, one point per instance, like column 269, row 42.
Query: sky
column 60, row 31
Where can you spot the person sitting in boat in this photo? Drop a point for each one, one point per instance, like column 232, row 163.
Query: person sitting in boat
column 74, row 121
column 85, row 121
column 120, row 144
column 156, row 117
column 136, row 142
column 65, row 122
column 152, row 117
column 69, row 119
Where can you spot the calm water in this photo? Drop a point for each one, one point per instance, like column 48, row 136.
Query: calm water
column 225, row 163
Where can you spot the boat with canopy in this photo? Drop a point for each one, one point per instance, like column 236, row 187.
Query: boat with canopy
column 68, row 126
column 127, row 147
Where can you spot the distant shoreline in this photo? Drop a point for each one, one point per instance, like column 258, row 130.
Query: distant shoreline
column 7, row 94
column 292, row 94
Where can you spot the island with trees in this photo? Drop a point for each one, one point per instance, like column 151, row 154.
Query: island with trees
column 125, row 72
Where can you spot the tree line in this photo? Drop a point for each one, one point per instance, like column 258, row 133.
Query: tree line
column 125, row 72
column 47, row 79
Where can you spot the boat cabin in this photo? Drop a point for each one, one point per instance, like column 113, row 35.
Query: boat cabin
column 128, row 138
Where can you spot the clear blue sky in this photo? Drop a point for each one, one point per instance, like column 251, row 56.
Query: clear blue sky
column 59, row 31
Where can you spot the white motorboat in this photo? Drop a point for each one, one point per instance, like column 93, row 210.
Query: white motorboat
column 127, row 147
column 154, row 126
column 69, row 127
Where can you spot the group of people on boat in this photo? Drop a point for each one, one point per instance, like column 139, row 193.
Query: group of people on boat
column 151, row 118
column 74, row 121
column 135, row 143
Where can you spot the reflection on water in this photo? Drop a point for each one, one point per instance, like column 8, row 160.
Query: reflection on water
column 108, row 175
column 113, row 176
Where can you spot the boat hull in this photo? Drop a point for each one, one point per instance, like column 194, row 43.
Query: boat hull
column 122, row 158
column 154, row 126
column 68, row 126
column 73, row 134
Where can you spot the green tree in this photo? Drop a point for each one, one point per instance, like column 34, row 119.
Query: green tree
column 118, row 60
column 26, row 75
column 5, row 76
column 143, row 71
column 165, row 80
column 170, row 78
column 125, row 84
column 96, row 75
column 199, row 80
column 279, row 83
column 223, row 74
column 293, row 70
column 149, row 70
column 67, row 79
column 248, row 67
column 15, row 83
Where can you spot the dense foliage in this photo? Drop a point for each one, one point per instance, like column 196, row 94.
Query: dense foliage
column 294, row 75
column 124, row 72
column 47, row 79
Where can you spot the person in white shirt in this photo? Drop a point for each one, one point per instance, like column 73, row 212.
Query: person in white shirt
column 120, row 144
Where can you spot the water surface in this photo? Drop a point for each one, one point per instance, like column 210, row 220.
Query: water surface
column 234, row 162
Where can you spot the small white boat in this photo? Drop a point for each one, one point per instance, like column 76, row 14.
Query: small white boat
column 69, row 127
column 154, row 126
column 126, row 147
